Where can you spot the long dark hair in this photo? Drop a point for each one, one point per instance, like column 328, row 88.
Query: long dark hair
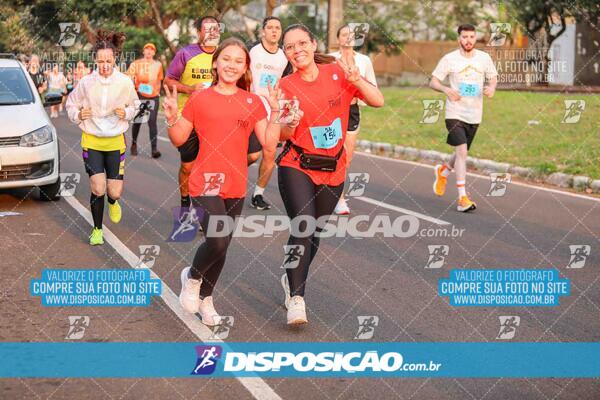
column 109, row 40
column 245, row 80
column 320, row 58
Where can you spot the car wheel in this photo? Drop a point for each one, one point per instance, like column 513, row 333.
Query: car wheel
column 50, row 192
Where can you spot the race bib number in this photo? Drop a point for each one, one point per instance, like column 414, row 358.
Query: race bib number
column 145, row 88
column 265, row 79
column 326, row 137
column 469, row 89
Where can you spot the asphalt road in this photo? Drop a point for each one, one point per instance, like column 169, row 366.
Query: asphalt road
column 528, row 227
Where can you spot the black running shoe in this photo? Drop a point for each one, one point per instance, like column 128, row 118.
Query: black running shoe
column 259, row 203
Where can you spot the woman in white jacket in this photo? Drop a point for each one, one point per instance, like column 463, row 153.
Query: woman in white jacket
column 102, row 104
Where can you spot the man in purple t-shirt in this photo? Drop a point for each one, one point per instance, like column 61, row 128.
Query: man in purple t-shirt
column 190, row 70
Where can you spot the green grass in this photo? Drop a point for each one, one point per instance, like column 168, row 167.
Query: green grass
column 504, row 135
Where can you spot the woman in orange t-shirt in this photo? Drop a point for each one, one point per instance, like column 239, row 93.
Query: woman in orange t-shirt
column 312, row 168
column 223, row 116
column 147, row 74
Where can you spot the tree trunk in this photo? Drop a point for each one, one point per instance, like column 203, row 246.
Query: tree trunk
column 270, row 5
column 158, row 25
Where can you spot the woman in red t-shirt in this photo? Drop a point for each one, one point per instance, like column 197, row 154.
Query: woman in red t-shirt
column 223, row 116
column 311, row 186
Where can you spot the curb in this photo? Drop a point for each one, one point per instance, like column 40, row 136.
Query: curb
column 576, row 182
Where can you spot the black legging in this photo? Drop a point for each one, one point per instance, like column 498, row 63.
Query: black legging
column 302, row 197
column 135, row 130
column 210, row 256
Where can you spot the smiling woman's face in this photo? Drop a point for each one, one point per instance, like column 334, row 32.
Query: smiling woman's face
column 231, row 64
column 299, row 48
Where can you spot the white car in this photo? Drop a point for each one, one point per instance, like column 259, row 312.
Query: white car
column 29, row 155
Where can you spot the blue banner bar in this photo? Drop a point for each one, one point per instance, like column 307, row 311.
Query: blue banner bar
column 298, row 360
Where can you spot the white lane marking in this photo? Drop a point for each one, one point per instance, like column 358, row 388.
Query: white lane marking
column 164, row 139
column 256, row 386
column 402, row 210
column 528, row 185
column 9, row 214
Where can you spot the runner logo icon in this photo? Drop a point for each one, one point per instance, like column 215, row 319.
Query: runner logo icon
column 579, row 254
column 292, row 254
column 437, row 255
column 508, row 326
column 207, row 359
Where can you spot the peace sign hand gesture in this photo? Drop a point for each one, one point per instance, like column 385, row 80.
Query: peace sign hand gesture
column 350, row 69
column 275, row 94
column 170, row 103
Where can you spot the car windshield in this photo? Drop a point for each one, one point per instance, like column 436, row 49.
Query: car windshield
column 14, row 87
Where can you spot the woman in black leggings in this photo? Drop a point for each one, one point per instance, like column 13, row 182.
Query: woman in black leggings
column 223, row 116
column 312, row 165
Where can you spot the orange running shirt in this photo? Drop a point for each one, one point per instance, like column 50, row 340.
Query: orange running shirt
column 326, row 106
column 147, row 76
column 223, row 124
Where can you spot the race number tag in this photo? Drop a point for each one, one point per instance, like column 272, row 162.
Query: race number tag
column 266, row 78
column 145, row 88
column 469, row 89
column 326, row 137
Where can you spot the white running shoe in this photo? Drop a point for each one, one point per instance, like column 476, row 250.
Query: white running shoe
column 341, row 208
column 207, row 311
column 296, row 314
column 286, row 288
column 189, row 298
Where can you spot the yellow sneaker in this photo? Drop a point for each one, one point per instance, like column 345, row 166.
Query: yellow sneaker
column 439, row 185
column 114, row 212
column 96, row 237
column 464, row 204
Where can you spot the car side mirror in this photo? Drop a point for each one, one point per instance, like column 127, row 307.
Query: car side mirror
column 52, row 99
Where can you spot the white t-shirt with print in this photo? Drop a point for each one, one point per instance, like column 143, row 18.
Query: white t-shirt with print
column 467, row 76
column 265, row 67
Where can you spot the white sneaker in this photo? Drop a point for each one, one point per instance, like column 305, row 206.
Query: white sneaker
column 296, row 314
column 207, row 311
column 286, row 288
column 341, row 208
column 189, row 298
